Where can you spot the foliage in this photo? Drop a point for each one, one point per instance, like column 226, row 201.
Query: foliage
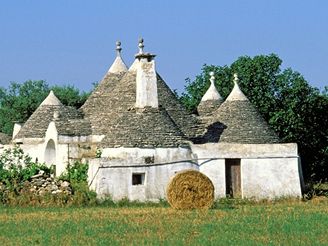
column 70, row 95
column 16, row 167
column 76, row 172
column 77, row 175
column 19, row 101
column 294, row 109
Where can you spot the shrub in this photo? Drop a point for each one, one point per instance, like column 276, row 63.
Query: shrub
column 16, row 167
column 76, row 172
column 77, row 175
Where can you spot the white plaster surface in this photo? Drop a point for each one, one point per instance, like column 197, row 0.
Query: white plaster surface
column 146, row 83
column 118, row 66
column 270, row 178
column 51, row 99
column 112, row 175
column 17, row 128
column 236, row 94
column 134, row 65
column 267, row 170
column 212, row 94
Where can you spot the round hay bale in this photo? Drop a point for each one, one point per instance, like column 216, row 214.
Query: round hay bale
column 190, row 189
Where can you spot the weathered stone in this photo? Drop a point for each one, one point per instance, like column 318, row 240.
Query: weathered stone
column 53, row 187
column 56, row 192
column 65, row 184
column 37, row 176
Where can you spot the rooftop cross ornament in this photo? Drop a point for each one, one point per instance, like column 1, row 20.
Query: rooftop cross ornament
column 141, row 46
column 118, row 48
column 212, row 79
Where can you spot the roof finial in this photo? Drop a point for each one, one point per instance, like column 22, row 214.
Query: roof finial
column 118, row 48
column 235, row 78
column 141, row 46
column 212, row 79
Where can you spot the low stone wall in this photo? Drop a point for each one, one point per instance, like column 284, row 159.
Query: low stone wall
column 42, row 184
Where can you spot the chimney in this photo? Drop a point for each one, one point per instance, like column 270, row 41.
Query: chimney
column 146, row 79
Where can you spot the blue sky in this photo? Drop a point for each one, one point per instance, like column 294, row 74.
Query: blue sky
column 73, row 41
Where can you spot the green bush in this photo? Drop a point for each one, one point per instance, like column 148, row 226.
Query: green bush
column 76, row 172
column 16, row 168
column 77, row 175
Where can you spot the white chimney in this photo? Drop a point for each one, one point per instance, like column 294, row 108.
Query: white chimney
column 146, row 80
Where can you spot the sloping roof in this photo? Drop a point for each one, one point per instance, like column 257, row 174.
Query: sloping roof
column 241, row 122
column 168, row 100
column 117, row 93
column 105, row 102
column 206, row 108
column 73, row 127
column 49, row 110
column 148, row 127
column 118, row 66
column 4, row 138
column 211, row 100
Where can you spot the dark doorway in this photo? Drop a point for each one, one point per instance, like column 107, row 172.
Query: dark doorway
column 233, row 180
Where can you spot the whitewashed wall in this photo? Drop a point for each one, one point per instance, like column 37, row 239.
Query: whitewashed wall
column 112, row 174
column 267, row 170
column 270, row 178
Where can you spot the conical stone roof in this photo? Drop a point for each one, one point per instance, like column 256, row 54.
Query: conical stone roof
column 118, row 66
column 144, row 128
column 241, row 122
column 51, row 109
column 211, row 99
column 117, row 93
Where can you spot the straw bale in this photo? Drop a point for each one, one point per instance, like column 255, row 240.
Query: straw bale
column 190, row 189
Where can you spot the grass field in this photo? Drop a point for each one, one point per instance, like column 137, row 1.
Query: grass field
column 229, row 223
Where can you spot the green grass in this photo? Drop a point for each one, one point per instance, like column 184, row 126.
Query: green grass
column 284, row 222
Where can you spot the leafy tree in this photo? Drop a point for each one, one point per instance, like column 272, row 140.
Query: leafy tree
column 19, row 101
column 294, row 109
column 70, row 95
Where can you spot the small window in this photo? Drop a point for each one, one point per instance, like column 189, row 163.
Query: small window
column 138, row 178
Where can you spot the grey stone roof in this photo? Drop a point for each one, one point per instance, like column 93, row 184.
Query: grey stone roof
column 235, row 121
column 4, row 138
column 36, row 126
column 99, row 107
column 73, row 127
column 240, row 122
column 206, row 108
column 167, row 99
column 147, row 127
column 117, row 93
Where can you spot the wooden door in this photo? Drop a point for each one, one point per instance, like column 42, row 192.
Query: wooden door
column 233, row 179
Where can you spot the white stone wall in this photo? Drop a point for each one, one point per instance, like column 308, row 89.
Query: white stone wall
column 112, row 174
column 215, row 170
column 267, row 170
column 270, row 178
column 146, row 84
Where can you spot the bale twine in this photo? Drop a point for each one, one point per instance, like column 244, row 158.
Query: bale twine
column 190, row 189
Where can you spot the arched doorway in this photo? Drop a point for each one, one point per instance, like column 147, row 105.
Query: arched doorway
column 50, row 153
